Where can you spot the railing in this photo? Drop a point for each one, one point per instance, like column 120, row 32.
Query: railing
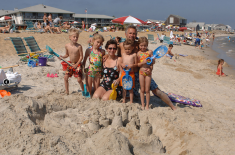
column 41, row 17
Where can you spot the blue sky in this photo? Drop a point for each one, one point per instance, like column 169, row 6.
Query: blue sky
column 209, row 11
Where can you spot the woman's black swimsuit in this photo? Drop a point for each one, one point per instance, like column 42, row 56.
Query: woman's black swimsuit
column 111, row 74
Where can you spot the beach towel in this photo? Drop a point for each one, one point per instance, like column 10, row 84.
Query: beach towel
column 184, row 100
column 183, row 55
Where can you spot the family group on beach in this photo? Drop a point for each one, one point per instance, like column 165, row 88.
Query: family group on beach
column 130, row 54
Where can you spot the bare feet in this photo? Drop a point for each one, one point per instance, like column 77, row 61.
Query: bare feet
column 146, row 108
column 142, row 107
column 123, row 101
column 173, row 108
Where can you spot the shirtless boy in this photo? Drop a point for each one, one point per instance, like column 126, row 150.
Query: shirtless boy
column 128, row 61
column 45, row 19
column 75, row 53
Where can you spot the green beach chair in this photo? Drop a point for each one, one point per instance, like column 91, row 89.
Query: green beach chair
column 167, row 40
column 151, row 39
column 34, row 48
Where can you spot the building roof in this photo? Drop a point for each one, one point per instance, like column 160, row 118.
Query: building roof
column 3, row 12
column 220, row 25
column 194, row 24
column 153, row 20
column 40, row 8
column 92, row 16
column 178, row 16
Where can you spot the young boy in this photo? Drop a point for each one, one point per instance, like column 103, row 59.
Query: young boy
column 202, row 44
column 75, row 53
column 128, row 61
column 169, row 53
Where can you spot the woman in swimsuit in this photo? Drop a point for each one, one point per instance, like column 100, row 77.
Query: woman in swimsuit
column 111, row 68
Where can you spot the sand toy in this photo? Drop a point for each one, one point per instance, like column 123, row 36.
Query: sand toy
column 113, row 95
column 157, row 53
column 127, row 80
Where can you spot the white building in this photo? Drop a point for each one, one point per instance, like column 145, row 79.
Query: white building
column 36, row 13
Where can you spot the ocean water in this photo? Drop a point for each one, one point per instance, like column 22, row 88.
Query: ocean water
column 225, row 49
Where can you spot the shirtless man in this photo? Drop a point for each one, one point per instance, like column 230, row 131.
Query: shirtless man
column 75, row 53
column 45, row 19
column 131, row 33
column 50, row 19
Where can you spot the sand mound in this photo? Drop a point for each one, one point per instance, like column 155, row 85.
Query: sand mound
column 55, row 124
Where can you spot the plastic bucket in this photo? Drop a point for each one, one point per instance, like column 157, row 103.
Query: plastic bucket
column 42, row 61
column 64, row 65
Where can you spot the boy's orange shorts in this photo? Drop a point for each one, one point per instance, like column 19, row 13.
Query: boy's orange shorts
column 76, row 72
column 132, row 74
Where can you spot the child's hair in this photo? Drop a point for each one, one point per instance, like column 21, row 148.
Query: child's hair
column 143, row 40
column 97, row 36
column 220, row 60
column 118, row 38
column 111, row 41
column 170, row 45
column 72, row 31
column 128, row 42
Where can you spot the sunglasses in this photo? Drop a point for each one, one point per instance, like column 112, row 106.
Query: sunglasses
column 113, row 48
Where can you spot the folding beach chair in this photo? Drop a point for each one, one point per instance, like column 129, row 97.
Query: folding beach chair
column 122, row 40
column 151, row 39
column 34, row 48
column 166, row 40
column 159, row 38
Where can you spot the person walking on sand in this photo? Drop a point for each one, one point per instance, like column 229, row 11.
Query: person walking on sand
column 75, row 53
column 50, row 19
column 131, row 34
column 220, row 68
column 45, row 19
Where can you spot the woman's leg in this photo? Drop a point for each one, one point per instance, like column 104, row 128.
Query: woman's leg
column 124, row 96
column 106, row 95
column 142, row 90
column 147, row 90
column 99, row 93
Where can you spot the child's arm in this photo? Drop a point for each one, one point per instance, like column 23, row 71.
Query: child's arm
column 81, row 55
column 87, row 53
column 66, row 53
column 120, row 71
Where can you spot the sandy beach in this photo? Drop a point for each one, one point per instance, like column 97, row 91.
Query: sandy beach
column 36, row 119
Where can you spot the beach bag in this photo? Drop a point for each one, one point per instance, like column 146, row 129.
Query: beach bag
column 2, row 76
column 13, row 77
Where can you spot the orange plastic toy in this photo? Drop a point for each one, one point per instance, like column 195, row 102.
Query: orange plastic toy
column 4, row 93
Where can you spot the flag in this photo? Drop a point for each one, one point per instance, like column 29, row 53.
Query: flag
column 85, row 10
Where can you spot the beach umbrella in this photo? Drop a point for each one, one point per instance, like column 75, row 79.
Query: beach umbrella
column 163, row 24
column 4, row 18
column 75, row 22
column 182, row 28
column 128, row 20
column 94, row 24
